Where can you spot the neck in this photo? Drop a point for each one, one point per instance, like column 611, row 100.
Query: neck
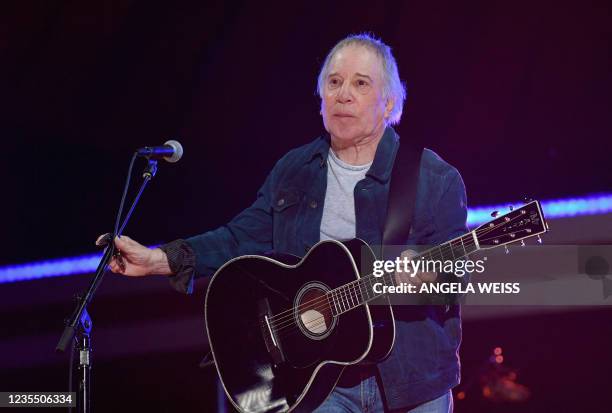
column 359, row 151
column 351, row 295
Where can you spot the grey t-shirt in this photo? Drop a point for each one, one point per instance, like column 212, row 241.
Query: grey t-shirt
column 338, row 220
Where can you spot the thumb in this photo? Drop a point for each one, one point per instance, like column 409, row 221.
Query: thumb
column 410, row 254
column 123, row 242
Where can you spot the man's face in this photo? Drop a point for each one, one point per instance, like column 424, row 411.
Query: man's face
column 352, row 105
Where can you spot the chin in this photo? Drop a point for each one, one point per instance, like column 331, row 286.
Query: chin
column 345, row 133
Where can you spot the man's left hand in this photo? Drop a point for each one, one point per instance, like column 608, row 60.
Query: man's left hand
column 416, row 279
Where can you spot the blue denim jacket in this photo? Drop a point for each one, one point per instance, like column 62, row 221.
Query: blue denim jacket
column 286, row 217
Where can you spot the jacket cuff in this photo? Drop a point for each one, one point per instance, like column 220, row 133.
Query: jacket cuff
column 181, row 260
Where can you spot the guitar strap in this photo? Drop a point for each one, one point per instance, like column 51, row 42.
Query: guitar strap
column 402, row 192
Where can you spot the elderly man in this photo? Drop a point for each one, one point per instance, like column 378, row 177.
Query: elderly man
column 336, row 187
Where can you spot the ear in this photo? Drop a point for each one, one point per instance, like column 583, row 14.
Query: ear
column 389, row 107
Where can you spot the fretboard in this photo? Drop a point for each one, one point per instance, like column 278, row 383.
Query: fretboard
column 358, row 292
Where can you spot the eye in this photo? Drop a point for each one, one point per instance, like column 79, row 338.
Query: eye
column 334, row 82
column 362, row 83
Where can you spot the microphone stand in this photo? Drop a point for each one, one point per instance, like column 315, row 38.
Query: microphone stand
column 80, row 324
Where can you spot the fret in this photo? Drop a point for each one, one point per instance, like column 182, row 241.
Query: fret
column 463, row 246
column 357, row 292
column 457, row 248
column 335, row 302
column 351, row 289
column 475, row 239
column 345, row 297
column 341, row 299
column 350, row 293
column 449, row 245
column 470, row 242
column 363, row 293
column 448, row 251
column 329, row 303
column 372, row 281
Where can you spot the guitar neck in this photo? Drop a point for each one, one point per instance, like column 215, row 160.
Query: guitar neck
column 361, row 291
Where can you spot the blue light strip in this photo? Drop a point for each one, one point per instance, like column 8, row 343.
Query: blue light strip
column 87, row 264
column 558, row 208
column 84, row 264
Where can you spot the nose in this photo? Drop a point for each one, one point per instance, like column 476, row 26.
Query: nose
column 344, row 94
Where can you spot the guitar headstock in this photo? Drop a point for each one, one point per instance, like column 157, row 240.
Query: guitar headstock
column 522, row 223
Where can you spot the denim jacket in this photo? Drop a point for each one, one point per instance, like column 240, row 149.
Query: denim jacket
column 286, row 217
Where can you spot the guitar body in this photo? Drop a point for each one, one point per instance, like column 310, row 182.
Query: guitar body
column 276, row 341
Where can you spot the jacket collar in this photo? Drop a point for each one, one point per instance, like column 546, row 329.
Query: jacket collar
column 383, row 159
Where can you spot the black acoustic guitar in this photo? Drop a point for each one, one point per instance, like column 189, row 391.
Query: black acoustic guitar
column 282, row 329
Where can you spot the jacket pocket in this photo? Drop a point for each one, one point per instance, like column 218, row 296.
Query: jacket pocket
column 284, row 199
column 286, row 219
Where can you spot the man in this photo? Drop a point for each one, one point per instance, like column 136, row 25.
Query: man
column 336, row 187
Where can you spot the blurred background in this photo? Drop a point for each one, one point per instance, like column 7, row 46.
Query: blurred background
column 517, row 96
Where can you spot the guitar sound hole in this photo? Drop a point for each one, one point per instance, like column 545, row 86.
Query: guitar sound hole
column 313, row 312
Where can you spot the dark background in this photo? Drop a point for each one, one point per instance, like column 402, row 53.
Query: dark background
column 516, row 96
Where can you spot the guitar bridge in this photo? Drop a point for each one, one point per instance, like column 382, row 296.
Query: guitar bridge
column 270, row 339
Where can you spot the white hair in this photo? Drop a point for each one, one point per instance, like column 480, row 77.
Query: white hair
column 393, row 88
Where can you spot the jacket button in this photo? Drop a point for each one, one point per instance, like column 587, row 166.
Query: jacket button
column 281, row 202
column 313, row 204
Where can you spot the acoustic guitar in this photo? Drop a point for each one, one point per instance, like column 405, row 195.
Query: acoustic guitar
column 282, row 328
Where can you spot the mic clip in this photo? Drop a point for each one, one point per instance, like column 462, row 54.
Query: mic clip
column 151, row 169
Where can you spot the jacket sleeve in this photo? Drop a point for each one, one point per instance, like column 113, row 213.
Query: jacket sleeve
column 250, row 232
column 450, row 216
column 450, row 221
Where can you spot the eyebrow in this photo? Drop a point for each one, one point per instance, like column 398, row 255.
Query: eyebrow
column 362, row 75
column 357, row 74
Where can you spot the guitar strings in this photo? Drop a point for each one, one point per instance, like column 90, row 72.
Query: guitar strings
column 316, row 322
column 347, row 293
column 319, row 321
column 343, row 292
column 352, row 287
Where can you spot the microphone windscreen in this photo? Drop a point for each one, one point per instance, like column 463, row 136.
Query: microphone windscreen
column 178, row 151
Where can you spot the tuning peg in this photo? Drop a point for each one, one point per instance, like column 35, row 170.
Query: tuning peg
column 511, row 207
column 539, row 239
column 494, row 214
column 506, row 249
column 527, row 199
column 522, row 243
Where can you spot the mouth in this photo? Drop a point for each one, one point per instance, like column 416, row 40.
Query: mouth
column 343, row 115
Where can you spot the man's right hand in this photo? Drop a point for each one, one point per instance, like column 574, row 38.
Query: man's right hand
column 134, row 259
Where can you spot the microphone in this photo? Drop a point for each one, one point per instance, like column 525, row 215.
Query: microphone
column 171, row 151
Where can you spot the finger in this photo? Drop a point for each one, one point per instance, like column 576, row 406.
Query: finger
column 120, row 262
column 114, row 267
column 122, row 242
column 406, row 278
column 125, row 243
column 427, row 276
column 410, row 254
column 416, row 281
